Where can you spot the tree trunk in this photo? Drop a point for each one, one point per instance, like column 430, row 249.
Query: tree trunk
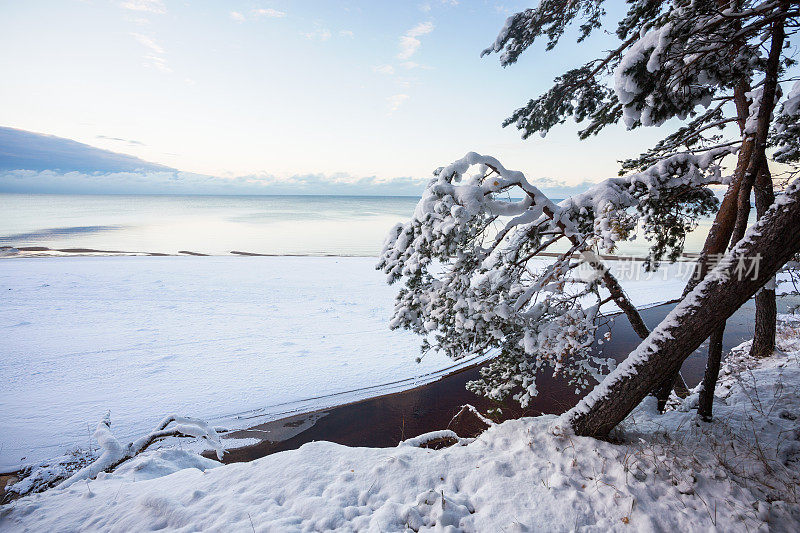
column 721, row 229
column 706, row 403
column 775, row 239
column 766, row 316
column 766, row 307
column 752, row 156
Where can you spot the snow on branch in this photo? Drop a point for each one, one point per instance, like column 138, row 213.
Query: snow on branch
column 471, row 409
column 474, row 280
column 114, row 453
column 425, row 438
column 673, row 57
column 786, row 132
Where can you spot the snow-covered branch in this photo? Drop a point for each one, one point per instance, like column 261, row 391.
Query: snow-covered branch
column 114, row 453
column 473, row 283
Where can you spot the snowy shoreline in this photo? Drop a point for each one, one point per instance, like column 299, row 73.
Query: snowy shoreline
column 664, row 472
column 239, row 341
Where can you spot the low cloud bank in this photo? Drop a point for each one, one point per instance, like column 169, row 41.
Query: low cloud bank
column 38, row 163
column 174, row 182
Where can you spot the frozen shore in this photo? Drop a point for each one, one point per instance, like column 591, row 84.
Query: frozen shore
column 665, row 473
column 235, row 340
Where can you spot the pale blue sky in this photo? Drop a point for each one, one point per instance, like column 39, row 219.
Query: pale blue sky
column 284, row 88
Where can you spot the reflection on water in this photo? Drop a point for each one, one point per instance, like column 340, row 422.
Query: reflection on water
column 281, row 225
column 315, row 225
column 50, row 233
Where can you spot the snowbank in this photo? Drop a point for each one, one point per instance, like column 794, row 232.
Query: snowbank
column 233, row 340
column 668, row 474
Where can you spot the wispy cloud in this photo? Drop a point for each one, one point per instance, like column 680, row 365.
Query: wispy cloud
column 155, row 58
column 157, row 62
column 319, row 34
column 143, row 21
column 383, row 69
column 144, row 40
column 395, row 101
column 503, row 10
column 409, row 43
column 347, row 33
column 149, row 6
column 268, row 12
column 408, row 46
column 426, row 7
column 127, row 141
column 258, row 13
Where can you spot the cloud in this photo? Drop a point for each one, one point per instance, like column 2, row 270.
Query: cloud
column 157, row 62
column 156, row 58
column 36, row 163
column 395, row 101
column 383, row 69
column 168, row 181
column 503, row 10
column 142, row 21
column 128, row 141
column 423, row 28
column 148, row 6
column 175, row 182
column 347, row 33
column 320, row 34
column 257, row 14
column 559, row 189
column 268, row 12
column 144, row 40
column 409, row 44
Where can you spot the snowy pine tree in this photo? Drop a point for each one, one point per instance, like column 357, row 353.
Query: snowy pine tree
column 473, row 281
column 467, row 257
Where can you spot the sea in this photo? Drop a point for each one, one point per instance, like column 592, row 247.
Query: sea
column 220, row 225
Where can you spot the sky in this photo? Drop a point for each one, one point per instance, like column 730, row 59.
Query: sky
column 350, row 91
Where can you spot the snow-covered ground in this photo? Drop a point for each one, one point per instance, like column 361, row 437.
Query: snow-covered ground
column 669, row 473
column 234, row 340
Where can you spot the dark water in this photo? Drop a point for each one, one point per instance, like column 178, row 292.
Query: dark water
column 386, row 420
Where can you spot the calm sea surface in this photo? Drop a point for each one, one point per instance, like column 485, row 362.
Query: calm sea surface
column 218, row 225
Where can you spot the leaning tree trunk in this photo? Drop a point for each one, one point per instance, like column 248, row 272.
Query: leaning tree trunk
column 756, row 170
column 720, row 233
column 721, row 229
column 775, row 238
column 766, row 307
column 705, row 405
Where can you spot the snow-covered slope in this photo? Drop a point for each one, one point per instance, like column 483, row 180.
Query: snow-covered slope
column 235, row 340
column 517, row 476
